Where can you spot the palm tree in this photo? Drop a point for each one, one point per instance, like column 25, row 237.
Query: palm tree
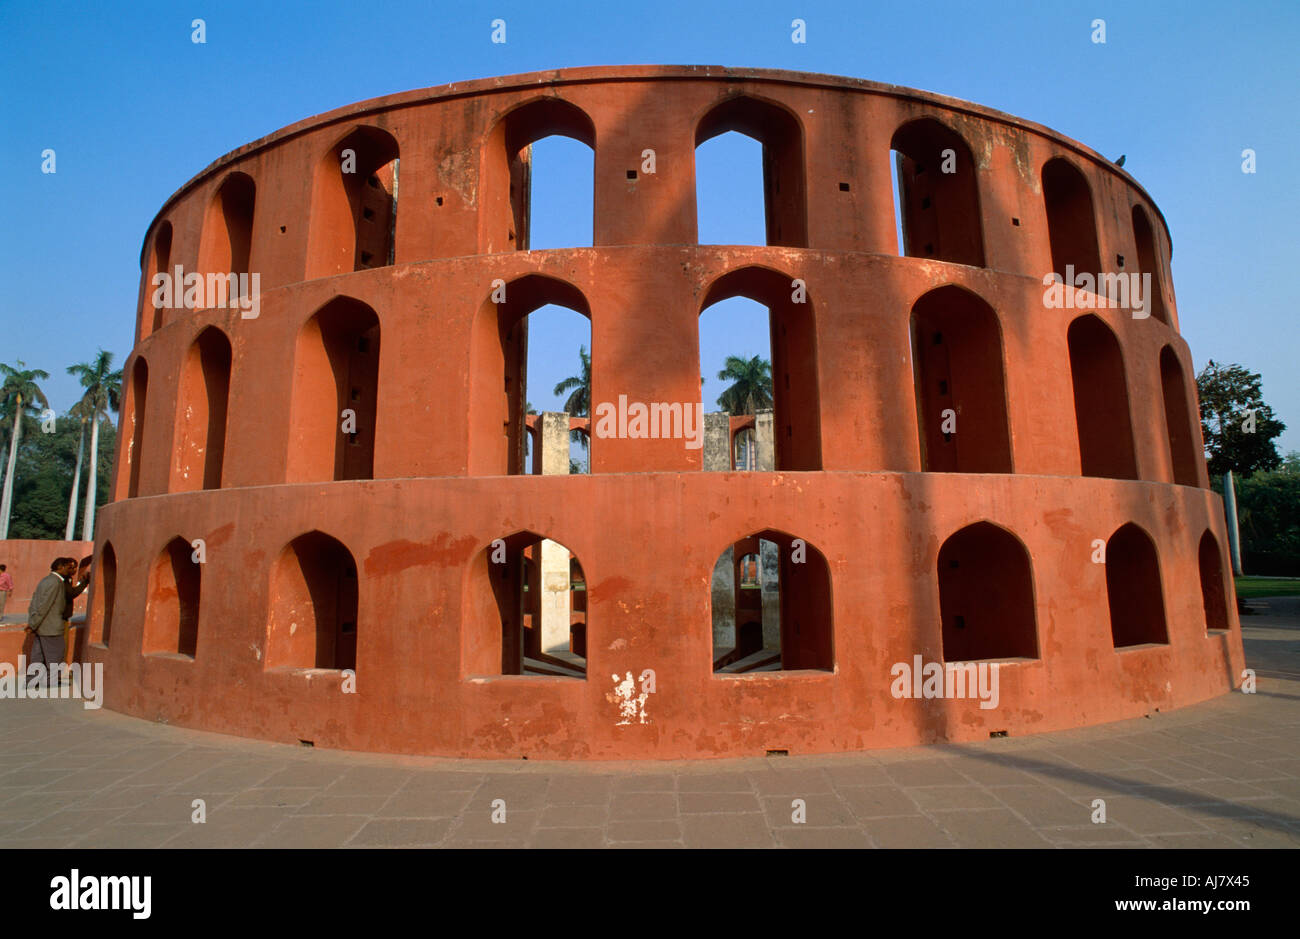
column 751, row 385
column 103, row 393
column 76, row 412
column 19, row 397
column 578, row 404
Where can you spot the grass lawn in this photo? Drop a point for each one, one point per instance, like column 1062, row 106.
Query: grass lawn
column 1248, row 587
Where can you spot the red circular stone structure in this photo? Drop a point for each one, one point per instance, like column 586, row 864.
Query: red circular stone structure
column 963, row 470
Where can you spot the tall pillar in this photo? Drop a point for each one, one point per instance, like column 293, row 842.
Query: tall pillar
column 769, row 577
column 764, row 444
column 717, row 442
column 554, row 435
column 553, row 431
column 724, row 600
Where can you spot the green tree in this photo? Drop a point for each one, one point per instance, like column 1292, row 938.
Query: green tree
column 1238, row 427
column 103, row 394
column 578, row 403
column 77, row 413
column 750, row 390
column 21, row 401
column 44, row 477
column 1269, row 517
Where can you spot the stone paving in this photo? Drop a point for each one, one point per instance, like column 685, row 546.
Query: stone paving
column 1222, row 774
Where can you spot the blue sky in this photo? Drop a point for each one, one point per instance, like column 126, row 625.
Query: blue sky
column 134, row 109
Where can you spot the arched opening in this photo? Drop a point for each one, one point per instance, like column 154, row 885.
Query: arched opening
column 1137, row 606
column 508, row 168
column 961, row 402
column 937, row 194
column 159, row 263
column 105, row 588
column 582, row 461
column 791, row 379
column 736, row 366
column 335, row 394
column 1101, row 410
column 1071, row 224
column 730, row 199
column 986, row 596
column 771, row 606
column 562, row 187
column 521, row 615
column 313, row 616
column 226, row 241
column 500, row 353
column 577, row 609
column 1178, row 420
column 744, row 450
column 171, row 620
column 532, row 445
column 576, row 447
column 354, row 205
column 201, row 414
column 1149, row 263
column 557, row 379
column 784, row 187
column 135, row 437
column 1214, row 596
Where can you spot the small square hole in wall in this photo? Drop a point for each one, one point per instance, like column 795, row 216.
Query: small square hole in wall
column 959, row 622
column 438, row 200
column 772, row 752
column 283, row 229
column 347, row 628
column 631, row 174
column 365, row 257
column 844, row 187
column 368, row 214
column 997, row 733
column 943, row 388
column 373, row 182
column 306, row 743
column 1015, row 222
column 1119, row 259
column 929, row 251
column 925, row 203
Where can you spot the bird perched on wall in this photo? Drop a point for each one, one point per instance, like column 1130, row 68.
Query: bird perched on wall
column 1120, row 161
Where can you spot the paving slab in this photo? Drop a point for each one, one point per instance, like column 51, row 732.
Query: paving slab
column 990, row 828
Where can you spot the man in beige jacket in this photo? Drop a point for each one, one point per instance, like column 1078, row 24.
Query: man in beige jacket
column 45, row 614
